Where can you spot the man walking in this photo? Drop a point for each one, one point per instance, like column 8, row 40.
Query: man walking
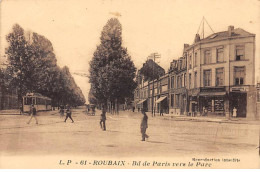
column 33, row 113
column 144, row 125
column 68, row 114
column 61, row 111
column 103, row 119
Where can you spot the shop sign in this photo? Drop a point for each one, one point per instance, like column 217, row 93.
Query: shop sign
column 239, row 89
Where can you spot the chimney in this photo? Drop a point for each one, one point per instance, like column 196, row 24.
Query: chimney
column 197, row 38
column 230, row 30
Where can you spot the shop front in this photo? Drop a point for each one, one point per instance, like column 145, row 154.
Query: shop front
column 212, row 101
column 142, row 104
column 162, row 104
column 193, row 104
column 238, row 100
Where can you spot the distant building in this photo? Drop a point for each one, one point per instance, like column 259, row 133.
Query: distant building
column 178, row 86
column 147, row 79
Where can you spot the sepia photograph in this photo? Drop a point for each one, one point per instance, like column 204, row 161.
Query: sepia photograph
column 129, row 84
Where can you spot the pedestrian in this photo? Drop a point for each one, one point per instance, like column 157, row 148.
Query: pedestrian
column 93, row 110
column 33, row 113
column 21, row 109
column 234, row 112
column 103, row 119
column 203, row 111
column 161, row 112
column 68, row 114
column 133, row 109
column 61, row 111
column 144, row 125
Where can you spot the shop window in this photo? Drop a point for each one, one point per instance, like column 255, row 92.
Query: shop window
column 207, row 57
column 219, row 76
column 240, row 50
column 207, row 78
column 220, row 55
column 239, row 75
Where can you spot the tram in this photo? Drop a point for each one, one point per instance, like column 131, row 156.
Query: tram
column 40, row 102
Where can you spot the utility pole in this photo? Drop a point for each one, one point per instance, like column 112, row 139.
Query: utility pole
column 153, row 56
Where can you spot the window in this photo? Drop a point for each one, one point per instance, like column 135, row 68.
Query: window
column 172, row 100
column 178, row 82
column 239, row 75
column 207, row 57
column 195, row 80
column 195, row 59
column 207, row 78
column 219, row 76
column 220, row 55
column 240, row 52
column 177, row 100
column 181, row 83
column 184, row 82
column 172, row 82
column 190, row 62
column 28, row 101
column 190, row 80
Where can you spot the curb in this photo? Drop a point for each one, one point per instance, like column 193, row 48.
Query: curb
column 214, row 120
column 10, row 114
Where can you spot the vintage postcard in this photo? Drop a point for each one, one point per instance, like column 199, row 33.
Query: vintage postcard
column 129, row 84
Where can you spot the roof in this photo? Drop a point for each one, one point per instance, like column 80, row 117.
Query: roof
column 238, row 32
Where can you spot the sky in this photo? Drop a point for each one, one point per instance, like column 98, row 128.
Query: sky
column 163, row 26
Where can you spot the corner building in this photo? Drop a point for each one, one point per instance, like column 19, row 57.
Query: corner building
column 221, row 74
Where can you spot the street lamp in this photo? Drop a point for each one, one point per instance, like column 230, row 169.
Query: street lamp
column 153, row 56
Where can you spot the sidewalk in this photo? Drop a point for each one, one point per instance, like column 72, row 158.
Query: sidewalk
column 219, row 119
column 10, row 112
column 17, row 112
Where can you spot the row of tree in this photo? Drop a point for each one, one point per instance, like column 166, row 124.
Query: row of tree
column 112, row 71
column 32, row 67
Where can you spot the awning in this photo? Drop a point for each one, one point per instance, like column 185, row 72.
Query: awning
column 141, row 101
column 205, row 94
column 160, row 99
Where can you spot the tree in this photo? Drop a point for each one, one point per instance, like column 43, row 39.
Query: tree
column 33, row 68
column 112, row 71
column 19, row 54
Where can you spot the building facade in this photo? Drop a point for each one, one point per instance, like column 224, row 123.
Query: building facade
column 215, row 75
column 178, row 86
column 221, row 73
